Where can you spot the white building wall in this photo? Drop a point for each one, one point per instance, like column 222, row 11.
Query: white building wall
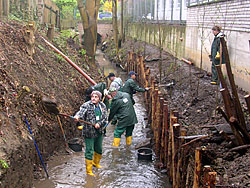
column 234, row 17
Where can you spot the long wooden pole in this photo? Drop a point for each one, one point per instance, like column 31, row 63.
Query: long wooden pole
column 239, row 111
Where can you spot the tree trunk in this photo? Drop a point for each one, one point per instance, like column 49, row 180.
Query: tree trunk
column 115, row 26
column 89, row 14
column 122, row 32
column 1, row 8
column 6, row 7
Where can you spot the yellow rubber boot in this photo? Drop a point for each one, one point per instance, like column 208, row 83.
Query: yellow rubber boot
column 116, row 142
column 128, row 140
column 89, row 164
column 96, row 160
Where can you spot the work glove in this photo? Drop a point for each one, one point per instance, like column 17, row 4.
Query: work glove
column 217, row 57
column 105, row 92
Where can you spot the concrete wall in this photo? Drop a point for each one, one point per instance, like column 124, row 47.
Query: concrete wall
column 170, row 35
column 233, row 16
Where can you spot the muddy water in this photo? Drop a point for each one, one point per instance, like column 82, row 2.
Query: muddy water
column 121, row 167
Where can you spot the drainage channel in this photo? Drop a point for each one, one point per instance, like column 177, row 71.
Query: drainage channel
column 121, row 165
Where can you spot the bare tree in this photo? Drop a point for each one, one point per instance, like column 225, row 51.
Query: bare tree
column 115, row 25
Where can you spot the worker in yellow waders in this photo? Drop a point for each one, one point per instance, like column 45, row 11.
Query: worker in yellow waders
column 122, row 107
column 95, row 112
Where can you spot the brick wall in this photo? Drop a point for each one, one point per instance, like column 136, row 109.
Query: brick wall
column 231, row 15
column 234, row 18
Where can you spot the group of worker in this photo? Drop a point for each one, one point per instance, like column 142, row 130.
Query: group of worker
column 95, row 111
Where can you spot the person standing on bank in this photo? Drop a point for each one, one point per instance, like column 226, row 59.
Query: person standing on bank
column 131, row 87
column 115, row 81
column 215, row 53
column 95, row 112
column 123, row 109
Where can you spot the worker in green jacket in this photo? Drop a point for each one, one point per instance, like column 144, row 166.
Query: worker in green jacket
column 123, row 109
column 131, row 87
column 94, row 112
column 215, row 53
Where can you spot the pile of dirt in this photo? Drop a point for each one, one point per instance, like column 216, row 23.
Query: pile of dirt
column 188, row 90
column 45, row 74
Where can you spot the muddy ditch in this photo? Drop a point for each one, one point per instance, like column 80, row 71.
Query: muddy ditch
column 187, row 90
column 45, row 74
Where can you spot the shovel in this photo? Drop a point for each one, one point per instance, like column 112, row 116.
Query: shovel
column 51, row 107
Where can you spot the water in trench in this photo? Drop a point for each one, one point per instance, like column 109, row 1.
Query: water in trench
column 121, row 167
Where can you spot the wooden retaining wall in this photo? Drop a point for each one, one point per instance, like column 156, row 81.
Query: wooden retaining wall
column 170, row 145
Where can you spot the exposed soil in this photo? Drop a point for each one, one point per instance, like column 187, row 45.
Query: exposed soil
column 45, row 74
column 188, row 90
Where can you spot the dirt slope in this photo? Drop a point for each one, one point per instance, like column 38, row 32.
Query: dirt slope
column 45, row 74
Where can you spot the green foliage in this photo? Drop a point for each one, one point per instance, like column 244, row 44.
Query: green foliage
column 59, row 57
column 66, row 7
column 4, row 164
column 82, row 52
column 14, row 17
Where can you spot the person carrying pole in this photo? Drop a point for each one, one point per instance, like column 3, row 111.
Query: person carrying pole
column 215, row 53
column 95, row 112
column 115, row 81
column 131, row 87
column 122, row 108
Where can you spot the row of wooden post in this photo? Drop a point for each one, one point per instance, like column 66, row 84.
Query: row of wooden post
column 167, row 130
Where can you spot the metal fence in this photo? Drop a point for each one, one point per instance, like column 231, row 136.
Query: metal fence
column 173, row 11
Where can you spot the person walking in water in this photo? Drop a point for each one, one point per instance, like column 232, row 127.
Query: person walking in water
column 95, row 112
column 131, row 87
column 122, row 108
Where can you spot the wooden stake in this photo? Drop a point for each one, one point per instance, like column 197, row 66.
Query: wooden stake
column 180, row 169
column 175, row 149
column 197, row 170
column 165, row 122
column 206, row 170
column 211, row 179
column 247, row 98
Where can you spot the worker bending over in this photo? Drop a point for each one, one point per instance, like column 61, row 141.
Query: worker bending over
column 131, row 87
column 122, row 107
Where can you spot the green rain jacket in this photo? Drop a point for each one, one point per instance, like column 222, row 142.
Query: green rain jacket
column 131, row 88
column 100, row 87
column 123, row 109
column 216, row 48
